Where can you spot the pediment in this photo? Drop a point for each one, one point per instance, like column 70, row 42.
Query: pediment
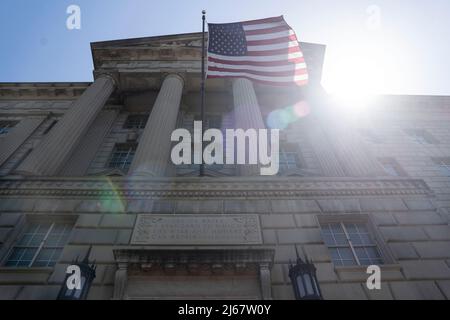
column 169, row 41
column 159, row 53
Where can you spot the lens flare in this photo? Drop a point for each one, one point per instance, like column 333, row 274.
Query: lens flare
column 114, row 202
column 282, row 118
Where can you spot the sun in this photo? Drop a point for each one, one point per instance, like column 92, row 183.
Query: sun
column 354, row 75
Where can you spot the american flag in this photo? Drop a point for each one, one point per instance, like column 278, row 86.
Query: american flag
column 264, row 50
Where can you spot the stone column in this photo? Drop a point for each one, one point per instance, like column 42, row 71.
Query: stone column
column 152, row 154
column 248, row 116
column 265, row 281
column 52, row 152
column 323, row 148
column 120, row 281
column 356, row 160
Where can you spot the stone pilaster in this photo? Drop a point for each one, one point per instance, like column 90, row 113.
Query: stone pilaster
column 18, row 135
column 323, row 148
column 49, row 156
column 152, row 154
column 248, row 116
column 355, row 159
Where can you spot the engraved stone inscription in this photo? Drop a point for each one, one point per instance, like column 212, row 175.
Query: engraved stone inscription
column 196, row 229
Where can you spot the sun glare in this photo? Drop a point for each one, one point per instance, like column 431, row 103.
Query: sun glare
column 357, row 73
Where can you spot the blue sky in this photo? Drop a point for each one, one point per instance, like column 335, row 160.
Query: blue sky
column 405, row 53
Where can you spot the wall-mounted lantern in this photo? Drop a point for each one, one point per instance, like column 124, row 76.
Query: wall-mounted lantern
column 304, row 280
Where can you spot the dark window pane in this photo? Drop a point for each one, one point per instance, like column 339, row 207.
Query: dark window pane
column 136, row 122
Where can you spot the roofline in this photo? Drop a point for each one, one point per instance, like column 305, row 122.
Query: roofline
column 45, row 84
column 131, row 41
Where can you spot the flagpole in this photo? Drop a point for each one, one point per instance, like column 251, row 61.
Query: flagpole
column 202, row 90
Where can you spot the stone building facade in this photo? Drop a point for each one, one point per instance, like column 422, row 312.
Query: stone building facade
column 85, row 167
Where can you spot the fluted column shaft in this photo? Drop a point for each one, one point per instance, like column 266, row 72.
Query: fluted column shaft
column 248, row 115
column 152, row 154
column 52, row 152
column 356, row 160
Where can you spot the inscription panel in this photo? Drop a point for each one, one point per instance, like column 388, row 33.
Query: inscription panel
column 189, row 229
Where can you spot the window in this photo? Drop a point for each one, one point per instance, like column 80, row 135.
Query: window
column 392, row 167
column 289, row 157
column 211, row 121
column 350, row 243
column 122, row 155
column 137, row 121
column 6, row 126
column 40, row 245
column 444, row 165
column 421, row 136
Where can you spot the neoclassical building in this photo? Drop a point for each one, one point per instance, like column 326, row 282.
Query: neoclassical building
column 85, row 169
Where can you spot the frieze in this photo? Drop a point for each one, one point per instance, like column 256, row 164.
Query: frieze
column 212, row 187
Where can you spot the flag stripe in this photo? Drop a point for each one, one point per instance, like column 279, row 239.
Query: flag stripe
column 271, row 41
column 264, row 26
column 285, row 67
column 299, row 60
column 275, row 46
column 274, row 52
column 294, row 72
column 266, row 20
column 267, row 51
column 266, row 82
column 270, row 35
column 268, row 30
column 260, row 77
column 279, row 57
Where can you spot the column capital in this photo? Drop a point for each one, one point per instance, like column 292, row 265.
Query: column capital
column 112, row 76
column 179, row 76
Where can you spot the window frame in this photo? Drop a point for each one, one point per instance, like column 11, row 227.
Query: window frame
column 421, row 136
column 20, row 230
column 290, row 148
column 395, row 165
column 114, row 150
column 444, row 165
column 142, row 123
column 8, row 129
column 386, row 255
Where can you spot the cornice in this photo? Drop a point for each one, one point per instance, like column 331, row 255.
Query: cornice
column 42, row 91
column 224, row 187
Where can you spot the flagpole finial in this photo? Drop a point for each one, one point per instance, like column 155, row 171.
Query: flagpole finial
column 203, row 11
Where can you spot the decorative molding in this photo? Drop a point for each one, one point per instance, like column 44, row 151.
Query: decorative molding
column 42, row 91
column 186, row 255
column 195, row 187
column 166, row 261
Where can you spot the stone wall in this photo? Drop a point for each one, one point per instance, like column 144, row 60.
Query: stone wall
column 415, row 233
